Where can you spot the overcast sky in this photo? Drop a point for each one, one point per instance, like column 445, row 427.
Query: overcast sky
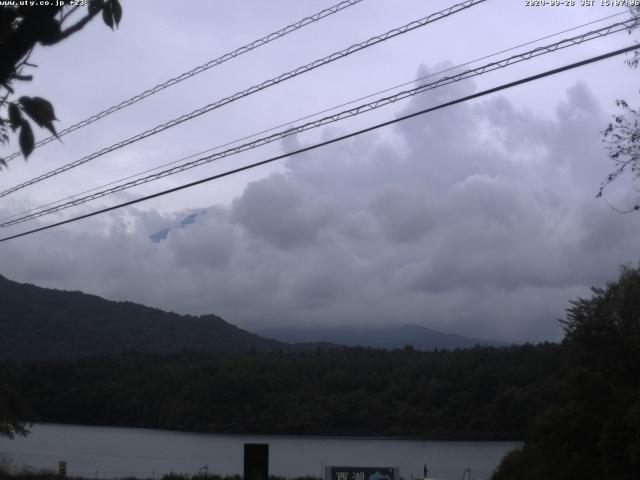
column 480, row 219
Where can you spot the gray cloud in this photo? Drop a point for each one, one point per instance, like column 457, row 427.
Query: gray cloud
column 278, row 211
column 479, row 219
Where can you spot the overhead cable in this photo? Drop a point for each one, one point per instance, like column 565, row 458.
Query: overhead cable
column 331, row 141
column 199, row 69
column 381, row 102
column 308, row 116
column 256, row 88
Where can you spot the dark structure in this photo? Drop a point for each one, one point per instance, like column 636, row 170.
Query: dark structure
column 256, row 461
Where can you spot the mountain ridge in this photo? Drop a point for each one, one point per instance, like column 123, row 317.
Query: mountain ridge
column 387, row 337
column 39, row 323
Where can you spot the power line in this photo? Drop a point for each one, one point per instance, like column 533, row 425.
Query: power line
column 199, row 69
column 299, row 119
column 331, row 141
column 256, row 88
column 341, row 115
column 381, row 102
column 255, row 134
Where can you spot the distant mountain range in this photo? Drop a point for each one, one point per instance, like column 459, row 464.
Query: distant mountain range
column 389, row 337
column 40, row 323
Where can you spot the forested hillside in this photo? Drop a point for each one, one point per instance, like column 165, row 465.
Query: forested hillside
column 483, row 392
column 39, row 323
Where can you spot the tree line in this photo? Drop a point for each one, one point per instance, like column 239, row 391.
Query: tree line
column 592, row 430
column 478, row 393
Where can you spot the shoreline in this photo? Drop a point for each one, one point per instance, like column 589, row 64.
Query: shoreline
column 444, row 438
column 48, row 474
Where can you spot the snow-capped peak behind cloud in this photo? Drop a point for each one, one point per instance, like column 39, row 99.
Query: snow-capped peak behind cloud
column 161, row 235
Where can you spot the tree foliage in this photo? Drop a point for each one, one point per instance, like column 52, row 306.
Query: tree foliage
column 594, row 432
column 478, row 393
column 622, row 137
column 12, row 413
column 22, row 28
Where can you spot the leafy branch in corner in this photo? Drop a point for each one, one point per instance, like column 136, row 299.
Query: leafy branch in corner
column 22, row 28
column 622, row 137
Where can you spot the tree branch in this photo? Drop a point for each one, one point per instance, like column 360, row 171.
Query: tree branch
column 22, row 78
column 79, row 25
column 66, row 15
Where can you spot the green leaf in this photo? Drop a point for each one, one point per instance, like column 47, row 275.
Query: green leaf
column 49, row 126
column 14, row 116
column 117, row 11
column 26, row 139
column 107, row 15
column 48, row 31
column 39, row 109
column 95, row 6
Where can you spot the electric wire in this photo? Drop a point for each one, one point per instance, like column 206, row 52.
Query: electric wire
column 197, row 70
column 381, row 102
column 254, row 89
column 331, row 141
column 361, row 109
column 306, row 117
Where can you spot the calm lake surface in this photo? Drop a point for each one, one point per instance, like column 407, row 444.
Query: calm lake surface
column 101, row 452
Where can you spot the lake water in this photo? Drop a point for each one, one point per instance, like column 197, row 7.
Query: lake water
column 106, row 452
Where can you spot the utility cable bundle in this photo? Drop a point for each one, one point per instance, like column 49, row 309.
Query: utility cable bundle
column 331, row 141
column 197, row 70
column 381, row 102
column 254, row 89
